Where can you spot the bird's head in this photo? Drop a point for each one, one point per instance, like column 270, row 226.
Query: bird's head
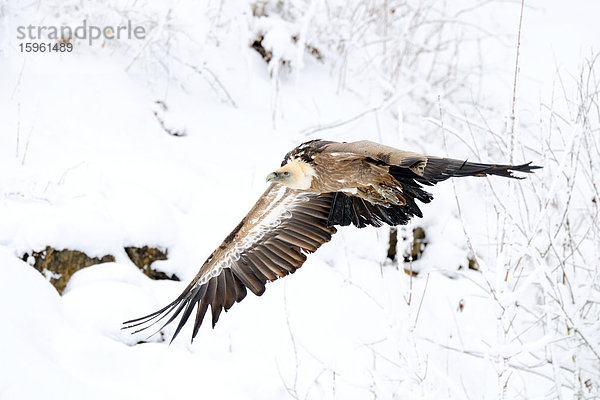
column 296, row 174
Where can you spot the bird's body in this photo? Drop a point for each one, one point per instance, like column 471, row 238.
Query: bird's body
column 320, row 184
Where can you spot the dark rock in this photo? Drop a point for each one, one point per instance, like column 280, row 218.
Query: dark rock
column 60, row 265
column 143, row 257
column 415, row 251
column 264, row 53
column 417, row 247
column 473, row 264
column 393, row 243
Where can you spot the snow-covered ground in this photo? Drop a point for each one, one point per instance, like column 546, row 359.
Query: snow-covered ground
column 86, row 163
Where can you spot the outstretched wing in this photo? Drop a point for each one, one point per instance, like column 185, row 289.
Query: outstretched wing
column 428, row 170
column 410, row 171
column 271, row 242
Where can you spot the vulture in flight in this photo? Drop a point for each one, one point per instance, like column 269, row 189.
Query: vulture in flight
column 320, row 184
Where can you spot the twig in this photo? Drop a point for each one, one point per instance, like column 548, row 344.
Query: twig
column 468, row 238
column 421, row 301
column 26, row 146
column 150, row 38
column 514, row 96
column 18, row 129
column 18, row 84
column 482, row 355
column 293, row 391
column 212, row 85
column 337, row 124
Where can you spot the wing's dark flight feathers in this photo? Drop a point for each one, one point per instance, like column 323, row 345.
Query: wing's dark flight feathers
column 306, row 219
column 190, row 306
column 350, row 218
column 308, row 223
column 313, row 212
column 396, row 214
column 189, row 302
column 412, row 206
column 346, row 210
column 160, row 314
column 313, row 231
column 202, row 301
column 290, row 239
column 248, row 278
column 290, row 255
column 281, row 262
column 336, row 211
column 301, row 230
column 270, row 263
column 388, row 216
column 347, row 219
column 249, row 266
column 231, row 291
column 300, row 225
column 240, row 288
column 307, row 242
column 357, row 218
column 372, row 214
column 364, row 215
column 261, row 267
column 219, row 299
column 139, row 321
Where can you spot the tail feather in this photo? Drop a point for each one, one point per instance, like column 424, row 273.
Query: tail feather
column 440, row 169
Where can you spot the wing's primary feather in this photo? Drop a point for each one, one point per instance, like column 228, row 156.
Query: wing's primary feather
column 271, row 242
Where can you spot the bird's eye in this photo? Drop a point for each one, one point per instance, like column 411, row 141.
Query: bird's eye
column 286, row 173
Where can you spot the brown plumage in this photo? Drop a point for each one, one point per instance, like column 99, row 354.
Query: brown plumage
column 320, row 184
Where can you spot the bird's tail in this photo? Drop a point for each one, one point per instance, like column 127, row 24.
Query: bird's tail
column 440, row 169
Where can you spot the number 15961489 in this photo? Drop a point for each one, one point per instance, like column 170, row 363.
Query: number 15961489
column 46, row 47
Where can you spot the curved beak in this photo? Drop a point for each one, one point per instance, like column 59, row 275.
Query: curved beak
column 272, row 177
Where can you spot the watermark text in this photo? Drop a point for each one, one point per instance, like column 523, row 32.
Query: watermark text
column 84, row 31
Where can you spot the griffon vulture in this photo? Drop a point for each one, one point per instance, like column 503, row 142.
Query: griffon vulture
column 320, row 184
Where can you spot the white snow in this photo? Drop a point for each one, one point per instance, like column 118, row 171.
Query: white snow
column 86, row 163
